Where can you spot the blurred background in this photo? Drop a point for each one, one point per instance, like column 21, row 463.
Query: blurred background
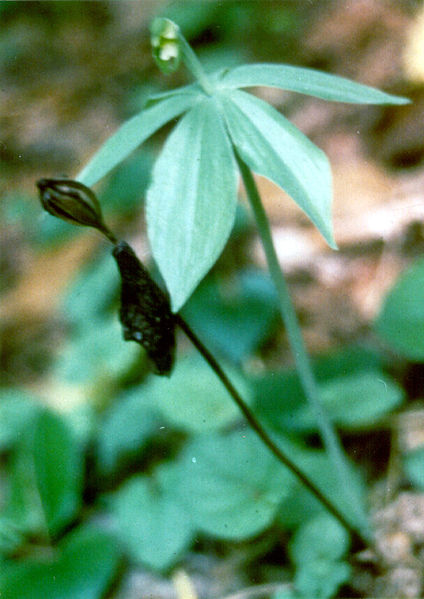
column 71, row 73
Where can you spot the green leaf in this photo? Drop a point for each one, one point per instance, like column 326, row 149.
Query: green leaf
column 92, row 291
column 17, row 410
column 124, row 431
column 11, row 537
column 84, row 568
column 126, row 186
column 234, row 315
column 321, row 537
column 279, row 394
column 414, row 467
column 160, row 110
column 98, row 351
column 191, row 202
column 307, row 81
column 300, row 503
column 321, row 579
column 193, row 398
column 23, row 510
column 57, row 469
column 401, row 320
column 355, row 401
column 316, row 548
column 152, row 525
column 273, row 147
column 231, row 485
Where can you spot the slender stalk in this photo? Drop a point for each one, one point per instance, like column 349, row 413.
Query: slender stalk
column 359, row 539
column 194, row 66
column 294, row 334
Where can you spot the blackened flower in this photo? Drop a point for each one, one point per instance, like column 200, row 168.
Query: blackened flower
column 145, row 312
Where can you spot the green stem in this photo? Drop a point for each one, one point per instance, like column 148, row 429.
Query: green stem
column 194, row 66
column 359, row 540
column 294, row 334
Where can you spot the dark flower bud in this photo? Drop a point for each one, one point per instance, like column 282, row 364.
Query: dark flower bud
column 145, row 312
column 73, row 202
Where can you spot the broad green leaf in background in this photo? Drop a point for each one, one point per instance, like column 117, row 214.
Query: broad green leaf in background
column 316, row 548
column 82, row 420
column 124, row 430
column 152, row 525
column 301, row 504
column 289, row 593
column 401, row 320
column 274, row 148
column 235, row 315
column 57, row 470
column 307, row 81
column 413, row 464
column 357, row 393
column 92, row 291
column 11, row 536
column 319, row 537
column 85, row 566
column 321, row 579
column 191, row 202
column 125, row 188
column 193, row 398
column 231, row 485
column 45, row 473
column 22, row 510
column 98, row 351
column 134, row 132
column 17, row 410
column 347, row 360
column 354, row 401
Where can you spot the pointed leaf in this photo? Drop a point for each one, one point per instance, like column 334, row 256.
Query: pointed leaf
column 192, row 200
column 134, row 132
column 273, row 147
column 87, row 561
column 57, row 466
column 307, row 81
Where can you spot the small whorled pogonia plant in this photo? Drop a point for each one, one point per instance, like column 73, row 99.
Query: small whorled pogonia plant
column 191, row 201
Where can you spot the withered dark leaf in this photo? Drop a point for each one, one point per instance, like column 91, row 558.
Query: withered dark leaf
column 145, row 312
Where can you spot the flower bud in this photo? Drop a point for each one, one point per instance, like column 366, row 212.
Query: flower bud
column 145, row 312
column 166, row 45
column 73, row 202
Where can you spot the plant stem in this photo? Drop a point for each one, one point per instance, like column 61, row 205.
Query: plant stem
column 294, row 334
column 194, row 66
column 359, row 539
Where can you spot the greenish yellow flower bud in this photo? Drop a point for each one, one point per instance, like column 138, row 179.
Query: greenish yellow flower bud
column 166, row 45
column 73, row 202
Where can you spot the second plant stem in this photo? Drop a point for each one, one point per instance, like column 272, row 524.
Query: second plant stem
column 302, row 361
